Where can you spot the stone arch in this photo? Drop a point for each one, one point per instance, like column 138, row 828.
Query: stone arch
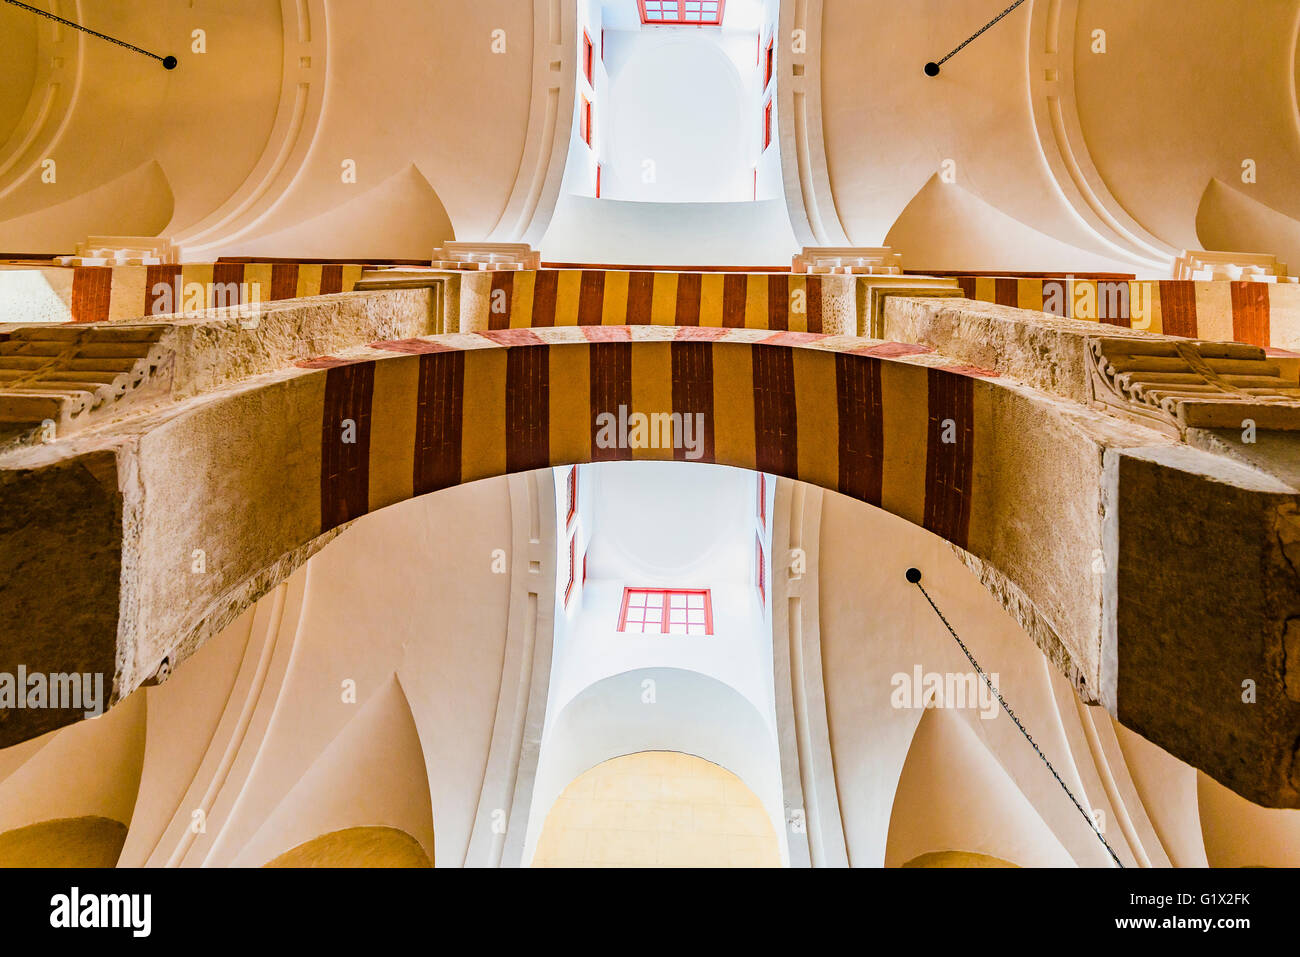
column 694, row 714
column 310, row 450
column 738, row 834
column 1030, row 486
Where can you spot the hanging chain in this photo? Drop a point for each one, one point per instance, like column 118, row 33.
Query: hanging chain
column 77, row 26
column 975, row 36
column 1007, row 708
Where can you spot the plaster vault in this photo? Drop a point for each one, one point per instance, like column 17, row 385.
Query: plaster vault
column 1065, row 163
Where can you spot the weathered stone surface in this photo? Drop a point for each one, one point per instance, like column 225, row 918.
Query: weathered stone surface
column 1204, row 597
column 61, row 538
column 1196, row 575
column 213, row 350
column 1030, row 347
column 129, row 367
column 1051, row 454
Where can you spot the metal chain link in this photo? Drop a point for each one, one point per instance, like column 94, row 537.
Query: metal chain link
column 77, row 26
column 1028, row 737
column 975, row 36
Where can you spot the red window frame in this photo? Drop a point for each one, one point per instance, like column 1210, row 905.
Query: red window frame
column 585, row 131
column 761, row 564
column 573, row 569
column 676, row 12
column 762, row 499
column 589, row 59
column 573, row 496
column 767, row 125
column 666, row 611
column 599, row 170
column 769, row 68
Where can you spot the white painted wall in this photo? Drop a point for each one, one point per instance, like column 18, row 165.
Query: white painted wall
column 585, row 230
column 706, row 511
column 771, row 183
column 663, row 524
column 580, row 168
column 671, row 525
column 690, row 101
column 682, row 122
column 406, row 594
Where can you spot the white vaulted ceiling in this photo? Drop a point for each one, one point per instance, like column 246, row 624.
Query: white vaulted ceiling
column 251, row 135
column 1116, row 160
column 1180, row 98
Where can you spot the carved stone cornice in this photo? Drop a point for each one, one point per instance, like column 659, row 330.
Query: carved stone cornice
column 123, row 251
column 490, row 256
column 1175, row 385
column 1205, row 266
column 849, row 260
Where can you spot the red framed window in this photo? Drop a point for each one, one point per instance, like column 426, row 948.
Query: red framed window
column 589, row 59
column 693, row 12
column 585, row 131
column 599, row 170
column 666, row 611
column 761, row 565
column 762, row 499
column 767, row 125
column 573, row 568
column 769, row 63
column 584, row 568
column 573, row 496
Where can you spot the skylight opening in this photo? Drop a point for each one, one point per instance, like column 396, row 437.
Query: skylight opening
column 688, row 12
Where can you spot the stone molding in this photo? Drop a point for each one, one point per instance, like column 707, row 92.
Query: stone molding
column 1205, row 266
column 486, row 256
column 849, row 260
column 123, row 251
column 1177, row 384
column 875, row 291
